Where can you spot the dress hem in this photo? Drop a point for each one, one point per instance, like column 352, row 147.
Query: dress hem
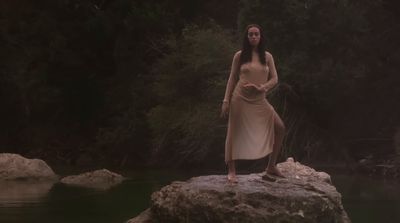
column 249, row 158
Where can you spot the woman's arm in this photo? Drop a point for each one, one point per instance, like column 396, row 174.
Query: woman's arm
column 233, row 77
column 273, row 79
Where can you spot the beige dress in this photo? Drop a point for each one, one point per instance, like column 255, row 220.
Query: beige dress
column 250, row 133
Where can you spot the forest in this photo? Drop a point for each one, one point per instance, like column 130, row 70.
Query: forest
column 132, row 83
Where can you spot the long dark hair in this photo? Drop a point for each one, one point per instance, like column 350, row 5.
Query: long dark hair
column 245, row 55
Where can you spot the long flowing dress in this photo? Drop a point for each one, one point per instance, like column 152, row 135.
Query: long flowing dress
column 250, row 133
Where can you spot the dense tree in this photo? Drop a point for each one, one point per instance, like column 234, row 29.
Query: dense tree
column 127, row 81
column 75, row 75
column 333, row 55
column 190, row 82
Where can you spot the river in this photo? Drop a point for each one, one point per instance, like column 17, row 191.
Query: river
column 366, row 199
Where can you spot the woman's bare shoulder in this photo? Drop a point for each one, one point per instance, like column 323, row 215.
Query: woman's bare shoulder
column 237, row 55
column 268, row 55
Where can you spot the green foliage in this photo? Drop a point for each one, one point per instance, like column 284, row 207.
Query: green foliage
column 190, row 82
column 84, row 76
column 326, row 52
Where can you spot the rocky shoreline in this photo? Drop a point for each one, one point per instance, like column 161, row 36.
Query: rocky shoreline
column 14, row 167
column 305, row 195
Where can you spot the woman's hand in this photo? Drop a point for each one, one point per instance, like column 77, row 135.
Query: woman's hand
column 258, row 88
column 224, row 109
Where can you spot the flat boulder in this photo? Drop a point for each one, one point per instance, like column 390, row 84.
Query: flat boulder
column 304, row 196
column 99, row 179
column 17, row 167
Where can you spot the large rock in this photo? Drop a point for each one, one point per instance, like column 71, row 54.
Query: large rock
column 16, row 167
column 305, row 196
column 99, row 179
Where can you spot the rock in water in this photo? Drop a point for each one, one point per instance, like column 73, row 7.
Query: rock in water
column 304, row 196
column 99, row 179
column 16, row 167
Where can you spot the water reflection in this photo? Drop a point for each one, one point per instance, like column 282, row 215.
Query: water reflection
column 20, row 193
column 48, row 203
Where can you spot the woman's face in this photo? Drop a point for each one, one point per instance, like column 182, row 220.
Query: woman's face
column 253, row 34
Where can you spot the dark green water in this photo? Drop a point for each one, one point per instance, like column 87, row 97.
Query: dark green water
column 365, row 199
column 368, row 199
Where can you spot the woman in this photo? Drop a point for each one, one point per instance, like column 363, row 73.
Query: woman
column 254, row 128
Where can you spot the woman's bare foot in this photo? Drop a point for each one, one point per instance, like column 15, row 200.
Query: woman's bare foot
column 274, row 171
column 232, row 178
